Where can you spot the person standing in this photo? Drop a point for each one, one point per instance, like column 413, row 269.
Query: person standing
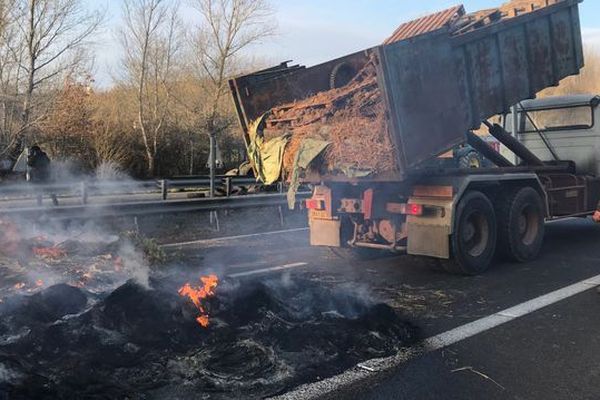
column 39, row 172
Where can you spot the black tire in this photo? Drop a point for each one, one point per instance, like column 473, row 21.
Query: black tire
column 341, row 75
column 470, row 160
column 521, row 225
column 473, row 242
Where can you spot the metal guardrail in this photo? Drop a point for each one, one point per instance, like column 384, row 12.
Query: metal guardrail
column 92, row 211
column 227, row 184
column 86, row 189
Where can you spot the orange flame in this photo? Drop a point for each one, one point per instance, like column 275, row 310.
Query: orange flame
column 199, row 293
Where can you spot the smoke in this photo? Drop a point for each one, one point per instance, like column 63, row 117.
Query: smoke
column 36, row 255
column 9, row 376
column 135, row 265
column 88, row 253
column 110, row 171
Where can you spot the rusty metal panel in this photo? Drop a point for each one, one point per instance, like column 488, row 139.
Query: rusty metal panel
column 257, row 93
column 540, row 55
column 484, row 73
column 439, row 85
column 514, row 63
column 513, row 59
column 426, row 114
column 426, row 24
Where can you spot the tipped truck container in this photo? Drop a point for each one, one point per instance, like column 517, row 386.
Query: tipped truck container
column 440, row 77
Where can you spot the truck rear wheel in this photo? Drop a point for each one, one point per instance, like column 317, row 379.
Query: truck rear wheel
column 473, row 242
column 521, row 225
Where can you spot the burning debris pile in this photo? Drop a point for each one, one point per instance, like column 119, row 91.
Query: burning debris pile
column 83, row 316
column 135, row 342
column 33, row 259
column 198, row 294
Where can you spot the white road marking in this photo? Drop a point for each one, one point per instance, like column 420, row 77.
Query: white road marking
column 227, row 238
column 267, row 270
column 318, row 389
column 484, row 324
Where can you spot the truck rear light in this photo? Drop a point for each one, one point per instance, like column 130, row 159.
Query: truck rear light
column 414, row 209
column 314, row 204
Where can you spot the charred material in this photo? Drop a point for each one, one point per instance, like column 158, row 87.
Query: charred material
column 145, row 343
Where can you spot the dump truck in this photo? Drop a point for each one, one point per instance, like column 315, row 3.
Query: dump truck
column 441, row 77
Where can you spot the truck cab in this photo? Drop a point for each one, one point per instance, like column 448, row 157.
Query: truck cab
column 560, row 128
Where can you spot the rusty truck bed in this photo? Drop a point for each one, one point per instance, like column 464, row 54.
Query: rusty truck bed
column 441, row 75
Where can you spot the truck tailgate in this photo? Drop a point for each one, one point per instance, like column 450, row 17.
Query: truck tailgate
column 439, row 85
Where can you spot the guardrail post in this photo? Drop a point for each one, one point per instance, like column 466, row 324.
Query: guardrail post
column 214, row 220
column 84, row 193
column 164, row 189
column 281, row 217
column 228, row 186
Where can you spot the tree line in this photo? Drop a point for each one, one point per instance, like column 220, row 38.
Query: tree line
column 169, row 93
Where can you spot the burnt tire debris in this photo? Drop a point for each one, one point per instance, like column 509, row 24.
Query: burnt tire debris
column 143, row 343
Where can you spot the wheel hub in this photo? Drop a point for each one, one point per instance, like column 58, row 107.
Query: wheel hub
column 528, row 225
column 475, row 234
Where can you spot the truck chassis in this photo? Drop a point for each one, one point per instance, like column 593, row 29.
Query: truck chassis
column 463, row 216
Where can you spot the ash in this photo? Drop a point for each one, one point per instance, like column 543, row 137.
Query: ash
column 142, row 342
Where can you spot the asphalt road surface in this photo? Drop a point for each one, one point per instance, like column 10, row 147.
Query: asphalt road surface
column 548, row 347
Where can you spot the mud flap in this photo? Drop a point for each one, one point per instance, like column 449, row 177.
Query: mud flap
column 325, row 232
column 428, row 240
column 429, row 235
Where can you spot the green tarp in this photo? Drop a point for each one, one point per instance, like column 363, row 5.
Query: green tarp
column 267, row 157
column 309, row 150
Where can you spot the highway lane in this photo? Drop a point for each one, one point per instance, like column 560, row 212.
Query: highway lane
column 549, row 354
column 438, row 302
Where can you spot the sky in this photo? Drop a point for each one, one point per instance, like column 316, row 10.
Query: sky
column 314, row 31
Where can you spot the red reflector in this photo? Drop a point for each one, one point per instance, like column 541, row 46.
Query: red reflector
column 414, row 209
column 313, row 204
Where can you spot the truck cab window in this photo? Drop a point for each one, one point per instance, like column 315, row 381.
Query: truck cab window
column 557, row 119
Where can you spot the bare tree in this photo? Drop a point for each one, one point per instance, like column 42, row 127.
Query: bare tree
column 151, row 39
column 2, row 14
column 228, row 28
column 40, row 41
column 54, row 35
column 11, row 56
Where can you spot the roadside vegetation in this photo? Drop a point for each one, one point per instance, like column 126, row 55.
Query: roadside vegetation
column 169, row 91
column 588, row 82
